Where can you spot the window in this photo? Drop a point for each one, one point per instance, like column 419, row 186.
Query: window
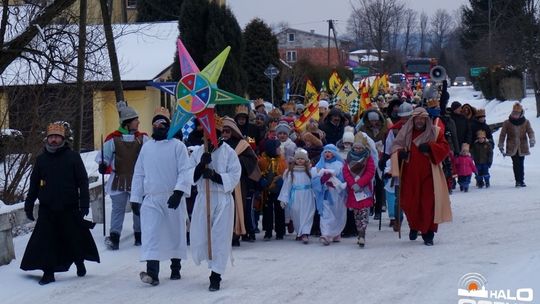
column 291, row 56
column 290, row 37
column 131, row 3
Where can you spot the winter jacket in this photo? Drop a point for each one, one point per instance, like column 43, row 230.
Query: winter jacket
column 476, row 126
column 464, row 165
column 59, row 180
column 482, row 153
column 463, row 128
column 515, row 133
column 365, row 180
column 333, row 133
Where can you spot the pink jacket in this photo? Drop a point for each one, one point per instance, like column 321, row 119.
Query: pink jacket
column 464, row 165
column 365, row 180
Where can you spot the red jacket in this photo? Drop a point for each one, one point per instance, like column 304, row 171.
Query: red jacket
column 365, row 180
column 465, row 165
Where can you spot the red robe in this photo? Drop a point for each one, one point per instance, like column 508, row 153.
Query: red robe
column 416, row 191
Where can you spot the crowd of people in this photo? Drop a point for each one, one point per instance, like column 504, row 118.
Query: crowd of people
column 404, row 155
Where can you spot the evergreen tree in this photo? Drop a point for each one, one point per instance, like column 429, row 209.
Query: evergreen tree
column 222, row 31
column 261, row 50
column 192, row 25
column 158, row 10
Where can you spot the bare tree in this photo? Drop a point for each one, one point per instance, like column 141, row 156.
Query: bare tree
column 81, row 48
column 410, row 22
column 423, row 32
column 376, row 18
column 441, row 26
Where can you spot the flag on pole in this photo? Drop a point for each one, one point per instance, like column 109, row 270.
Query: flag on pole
column 384, row 81
column 374, row 91
column 311, row 111
column 335, row 82
column 365, row 101
column 345, row 96
column 311, row 92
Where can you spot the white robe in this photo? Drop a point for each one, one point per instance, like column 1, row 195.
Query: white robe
column 160, row 169
column 334, row 215
column 300, row 201
column 226, row 163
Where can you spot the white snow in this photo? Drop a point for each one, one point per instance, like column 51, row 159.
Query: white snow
column 494, row 233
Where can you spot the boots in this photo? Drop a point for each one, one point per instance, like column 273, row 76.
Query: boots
column 428, row 238
column 151, row 274
column 235, row 240
column 175, row 269
column 215, row 278
column 413, row 234
column 48, row 277
column 137, row 239
column 361, row 238
column 113, row 241
column 392, row 223
column 81, row 270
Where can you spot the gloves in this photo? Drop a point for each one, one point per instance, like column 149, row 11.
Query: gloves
column 356, row 188
column 29, row 215
column 502, row 150
column 174, row 200
column 136, row 208
column 213, row 176
column 102, row 168
column 403, row 155
column 424, row 148
column 198, row 171
column 84, row 211
column 387, row 175
column 330, row 185
column 325, row 177
column 206, row 158
column 207, row 173
column 531, row 144
column 29, row 210
column 283, row 205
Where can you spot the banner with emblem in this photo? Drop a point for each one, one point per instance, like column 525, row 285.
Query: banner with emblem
column 347, row 98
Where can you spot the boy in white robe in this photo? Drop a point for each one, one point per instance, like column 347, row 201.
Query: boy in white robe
column 159, row 185
column 222, row 169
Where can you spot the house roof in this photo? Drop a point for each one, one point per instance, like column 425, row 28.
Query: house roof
column 309, row 33
column 144, row 50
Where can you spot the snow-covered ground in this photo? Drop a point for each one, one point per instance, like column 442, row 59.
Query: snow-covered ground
column 494, row 233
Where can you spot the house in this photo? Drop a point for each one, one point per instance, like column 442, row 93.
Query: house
column 295, row 45
column 145, row 53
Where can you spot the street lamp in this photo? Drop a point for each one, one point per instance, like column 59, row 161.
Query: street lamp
column 271, row 72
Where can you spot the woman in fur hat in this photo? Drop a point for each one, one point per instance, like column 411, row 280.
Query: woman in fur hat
column 358, row 173
column 519, row 136
column 297, row 195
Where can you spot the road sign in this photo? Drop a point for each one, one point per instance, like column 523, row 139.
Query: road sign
column 475, row 72
column 361, row 71
column 271, row 72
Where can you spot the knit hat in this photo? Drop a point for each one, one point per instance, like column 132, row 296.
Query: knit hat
column 480, row 113
column 405, row 109
column 301, row 153
column 56, row 129
column 300, row 107
column 270, row 147
column 126, row 112
column 455, row 105
column 517, row 107
column 323, row 104
column 283, row 127
column 348, row 135
column 373, row 115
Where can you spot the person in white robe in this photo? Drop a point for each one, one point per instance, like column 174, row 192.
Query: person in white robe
column 161, row 186
column 329, row 188
column 297, row 195
column 222, row 169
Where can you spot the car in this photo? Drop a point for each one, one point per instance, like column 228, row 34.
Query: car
column 461, row 81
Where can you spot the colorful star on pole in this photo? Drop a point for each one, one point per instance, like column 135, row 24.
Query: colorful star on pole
column 197, row 93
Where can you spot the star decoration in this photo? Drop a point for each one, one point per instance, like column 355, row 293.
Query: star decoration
column 197, row 93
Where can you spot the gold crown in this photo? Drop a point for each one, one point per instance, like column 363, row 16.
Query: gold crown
column 163, row 112
column 259, row 102
column 289, row 107
column 218, row 122
column 275, row 113
column 432, row 103
column 56, row 129
column 242, row 109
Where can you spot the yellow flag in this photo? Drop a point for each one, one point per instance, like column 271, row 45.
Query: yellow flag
column 334, row 82
column 312, row 96
column 346, row 95
column 374, row 90
column 384, row 81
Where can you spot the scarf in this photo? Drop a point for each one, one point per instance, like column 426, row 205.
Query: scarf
column 53, row 149
column 404, row 139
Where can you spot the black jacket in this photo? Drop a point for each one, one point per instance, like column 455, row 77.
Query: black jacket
column 59, row 180
column 463, row 128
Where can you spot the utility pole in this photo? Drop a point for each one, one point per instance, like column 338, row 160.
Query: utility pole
column 333, row 29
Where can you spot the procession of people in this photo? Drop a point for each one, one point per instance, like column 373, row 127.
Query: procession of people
column 403, row 155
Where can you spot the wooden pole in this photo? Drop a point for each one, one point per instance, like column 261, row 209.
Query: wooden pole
column 208, row 225
column 103, row 187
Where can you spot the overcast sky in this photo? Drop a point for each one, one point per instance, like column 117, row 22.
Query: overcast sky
column 311, row 14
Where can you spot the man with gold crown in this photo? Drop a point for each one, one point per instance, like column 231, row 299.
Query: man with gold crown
column 60, row 237
column 161, row 188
